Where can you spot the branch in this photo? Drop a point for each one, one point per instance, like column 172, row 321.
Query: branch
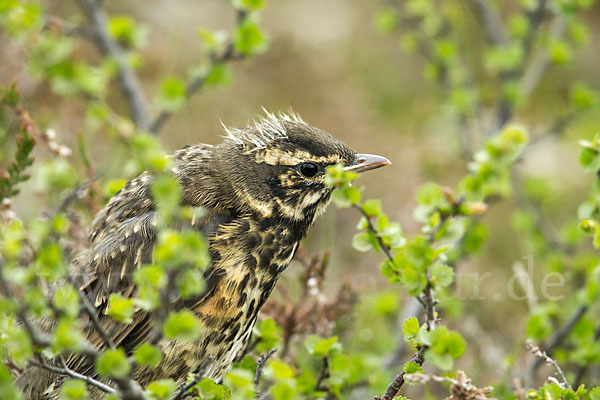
column 537, row 68
column 540, row 354
column 262, row 361
column 66, row 371
column 559, row 337
column 91, row 312
column 429, row 302
column 394, row 387
column 324, row 374
column 582, row 369
column 413, row 308
column 183, row 391
column 542, row 225
column 128, row 79
column 372, row 229
column 492, row 21
column 530, row 77
column 196, row 84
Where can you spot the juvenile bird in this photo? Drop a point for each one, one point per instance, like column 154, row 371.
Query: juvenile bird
column 261, row 189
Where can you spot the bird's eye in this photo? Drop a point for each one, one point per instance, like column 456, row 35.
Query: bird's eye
column 309, row 169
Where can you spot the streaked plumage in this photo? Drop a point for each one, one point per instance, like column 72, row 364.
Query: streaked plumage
column 258, row 206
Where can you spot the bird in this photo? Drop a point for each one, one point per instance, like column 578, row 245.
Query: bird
column 260, row 189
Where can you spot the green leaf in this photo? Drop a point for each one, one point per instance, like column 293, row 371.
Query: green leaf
column 410, row 328
column 339, row 198
column 73, row 390
column 241, row 381
column 120, row 308
column 539, row 327
column 182, row 325
column 504, row 58
column 219, row 75
column 248, row 38
column 323, row 347
column 125, row 30
column 67, row 336
column 250, row 5
column 283, row 391
column 113, row 362
column 112, row 187
column 412, row 367
column 372, row 207
column 172, row 94
column 191, row 283
column 441, row 275
column 162, row 389
column 7, row 385
column 362, row 241
column 352, row 194
column 518, row 25
column 269, row 334
column 582, row 97
column 209, row 390
column 66, row 299
column 148, row 354
column 445, row 346
column 281, row 369
column 386, row 20
column 559, row 52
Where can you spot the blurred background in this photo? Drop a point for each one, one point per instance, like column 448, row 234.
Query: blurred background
column 328, row 62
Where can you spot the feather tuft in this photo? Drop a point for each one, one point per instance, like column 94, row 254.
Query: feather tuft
column 268, row 129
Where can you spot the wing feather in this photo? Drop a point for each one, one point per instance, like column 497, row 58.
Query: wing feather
column 123, row 237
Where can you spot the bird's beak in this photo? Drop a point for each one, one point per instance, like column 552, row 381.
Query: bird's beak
column 367, row 162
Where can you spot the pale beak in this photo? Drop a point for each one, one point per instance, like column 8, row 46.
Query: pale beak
column 367, row 162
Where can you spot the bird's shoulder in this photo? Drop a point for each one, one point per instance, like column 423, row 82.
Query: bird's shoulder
column 124, row 232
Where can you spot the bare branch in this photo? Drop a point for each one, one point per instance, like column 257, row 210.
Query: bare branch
column 529, row 74
column 558, row 338
column 538, row 66
column 492, row 21
column 184, row 390
column 262, row 361
column 128, row 80
column 461, row 387
column 582, row 369
column 542, row 225
column 539, row 353
column 195, row 84
column 66, row 371
column 91, row 312
column 394, row 387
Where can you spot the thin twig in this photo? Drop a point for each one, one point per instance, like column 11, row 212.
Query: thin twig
column 66, row 371
column 559, row 337
column 539, row 353
column 394, row 387
column 184, row 390
column 492, row 21
column 372, row 229
column 542, row 225
column 530, row 78
column 324, row 374
column 262, row 361
column 128, row 79
column 534, row 73
column 195, row 84
column 76, row 193
column 582, row 369
column 91, row 312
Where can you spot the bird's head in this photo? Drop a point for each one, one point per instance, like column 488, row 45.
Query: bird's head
column 277, row 167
